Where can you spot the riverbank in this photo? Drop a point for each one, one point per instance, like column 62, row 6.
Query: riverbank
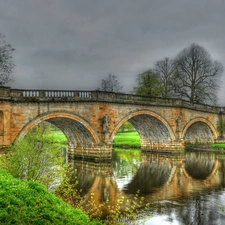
column 23, row 202
column 216, row 147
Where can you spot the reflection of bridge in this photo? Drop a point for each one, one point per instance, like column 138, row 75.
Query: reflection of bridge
column 90, row 120
column 159, row 178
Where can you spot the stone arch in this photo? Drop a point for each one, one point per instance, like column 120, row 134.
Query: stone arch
column 199, row 129
column 150, row 126
column 75, row 128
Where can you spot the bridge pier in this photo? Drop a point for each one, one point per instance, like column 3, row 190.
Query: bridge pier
column 176, row 146
column 96, row 153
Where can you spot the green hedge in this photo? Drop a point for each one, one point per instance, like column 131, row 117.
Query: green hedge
column 23, row 202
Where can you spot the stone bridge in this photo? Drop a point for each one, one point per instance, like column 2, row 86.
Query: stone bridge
column 90, row 119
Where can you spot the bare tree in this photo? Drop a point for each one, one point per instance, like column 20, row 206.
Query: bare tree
column 111, row 84
column 197, row 76
column 165, row 70
column 6, row 64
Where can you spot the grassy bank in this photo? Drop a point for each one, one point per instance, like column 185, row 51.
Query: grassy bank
column 127, row 139
column 24, row 202
column 218, row 145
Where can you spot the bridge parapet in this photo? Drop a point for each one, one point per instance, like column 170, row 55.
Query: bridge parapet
column 79, row 95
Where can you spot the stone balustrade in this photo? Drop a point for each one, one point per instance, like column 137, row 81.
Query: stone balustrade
column 7, row 93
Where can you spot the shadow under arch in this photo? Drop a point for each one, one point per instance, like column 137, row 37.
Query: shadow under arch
column 76, row 129
column 150, row 126
column 199, row 129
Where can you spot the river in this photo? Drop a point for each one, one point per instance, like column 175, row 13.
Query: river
column 180, row 189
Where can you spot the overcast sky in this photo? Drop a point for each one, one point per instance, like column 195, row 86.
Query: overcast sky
column 74, row 44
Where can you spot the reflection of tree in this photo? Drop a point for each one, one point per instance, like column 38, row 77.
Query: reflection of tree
column 194, row 202
column 199, row 166
column 150, row 175
column 126, row 162
column 200, row 210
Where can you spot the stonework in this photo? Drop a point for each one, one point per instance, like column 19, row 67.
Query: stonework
column 90, row 120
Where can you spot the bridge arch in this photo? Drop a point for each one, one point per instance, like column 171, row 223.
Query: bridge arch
column 150, row 126
column 199, row 129
column 75, row 128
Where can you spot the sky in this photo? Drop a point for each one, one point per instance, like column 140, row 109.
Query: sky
column 74, row 44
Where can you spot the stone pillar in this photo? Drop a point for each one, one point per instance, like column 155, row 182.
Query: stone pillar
column 5, row 125
column 97, row 152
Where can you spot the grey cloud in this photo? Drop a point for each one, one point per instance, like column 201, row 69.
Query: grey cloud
column 73, row 44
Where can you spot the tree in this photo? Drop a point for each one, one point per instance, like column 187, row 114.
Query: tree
column 6, row 64
column 148, row 83
column 127, row 126
column 35, row 157
column 165, row 70
column 197, row 76
column 111, row 84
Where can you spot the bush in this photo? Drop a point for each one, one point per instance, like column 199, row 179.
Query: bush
column 26, row 202
column 35, row 157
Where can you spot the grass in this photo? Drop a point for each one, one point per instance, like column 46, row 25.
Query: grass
column 218, row 145
column 59, row 136
column 24, row 202
column 127, row 138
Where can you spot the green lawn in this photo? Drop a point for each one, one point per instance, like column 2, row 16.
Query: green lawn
column 59, row 136
column 130, row 138
column 23, row 202
column 218, row 145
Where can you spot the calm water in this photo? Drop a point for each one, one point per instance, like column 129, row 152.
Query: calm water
column 181, row 189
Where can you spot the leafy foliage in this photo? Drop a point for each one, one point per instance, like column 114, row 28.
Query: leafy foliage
column 126, row 126
column 35, row 157
column 148, row 83
column 191, row 76
column 124, row 210
column 24, row 202
column 6, row 64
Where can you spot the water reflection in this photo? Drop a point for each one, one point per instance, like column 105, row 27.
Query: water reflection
column 200, row 166
column 152, row 174
column 182, row 189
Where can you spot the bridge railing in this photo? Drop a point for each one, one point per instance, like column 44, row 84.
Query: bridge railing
column 49, row 94
column 74, row 95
